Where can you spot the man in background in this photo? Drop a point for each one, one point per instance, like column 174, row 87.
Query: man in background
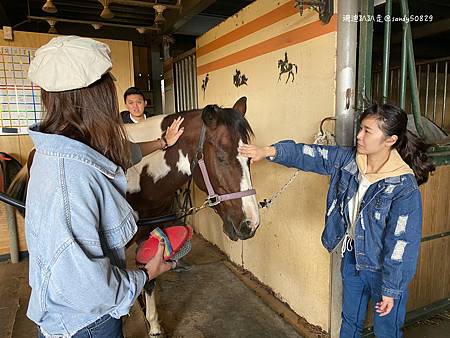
column 135, row 103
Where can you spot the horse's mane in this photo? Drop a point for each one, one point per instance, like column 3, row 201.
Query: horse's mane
column 235, row 121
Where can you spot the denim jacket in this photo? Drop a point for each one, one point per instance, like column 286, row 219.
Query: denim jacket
column 389, row 225
column 77, row 224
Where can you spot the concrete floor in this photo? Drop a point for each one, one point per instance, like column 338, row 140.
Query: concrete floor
column 208, row 301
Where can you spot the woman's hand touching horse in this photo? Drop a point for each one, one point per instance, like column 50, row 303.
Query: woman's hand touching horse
column 173, row 132
column 256, row 153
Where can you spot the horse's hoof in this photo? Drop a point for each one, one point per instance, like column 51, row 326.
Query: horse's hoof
column 182, row 266
column 160, row 334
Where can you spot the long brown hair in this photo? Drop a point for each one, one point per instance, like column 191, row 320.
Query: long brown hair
column 89, row 115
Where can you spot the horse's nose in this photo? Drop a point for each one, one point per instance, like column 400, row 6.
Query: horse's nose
column 251, row 224
column 247, row 229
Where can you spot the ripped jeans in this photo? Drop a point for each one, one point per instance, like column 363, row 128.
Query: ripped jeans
column 358, row 288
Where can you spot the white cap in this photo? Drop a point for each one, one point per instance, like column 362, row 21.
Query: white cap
column 69, row 62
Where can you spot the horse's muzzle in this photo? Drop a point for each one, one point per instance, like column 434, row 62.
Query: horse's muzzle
column 245, row 230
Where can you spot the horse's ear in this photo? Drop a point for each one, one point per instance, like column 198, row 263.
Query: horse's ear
column 209, row 115
column 241, row 105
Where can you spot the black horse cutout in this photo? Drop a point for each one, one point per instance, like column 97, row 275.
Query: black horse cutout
column 239, row 79
column 287, row 67
column 205, row 84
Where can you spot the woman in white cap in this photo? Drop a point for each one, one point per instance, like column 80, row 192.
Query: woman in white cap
column 78, row 221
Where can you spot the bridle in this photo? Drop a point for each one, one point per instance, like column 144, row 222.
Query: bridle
column 213, row 198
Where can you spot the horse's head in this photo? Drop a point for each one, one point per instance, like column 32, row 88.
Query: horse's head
column 226, row 129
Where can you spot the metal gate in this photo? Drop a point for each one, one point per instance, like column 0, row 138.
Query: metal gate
column 185, row 81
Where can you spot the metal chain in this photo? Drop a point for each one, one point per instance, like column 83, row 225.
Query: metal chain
column 193, row 210
column 268, row 202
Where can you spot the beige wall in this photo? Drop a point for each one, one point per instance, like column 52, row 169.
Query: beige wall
column 20, row 145
column 286, row 253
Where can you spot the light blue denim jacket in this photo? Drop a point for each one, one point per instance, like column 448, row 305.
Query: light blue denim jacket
column 389, row 226
column 77, row 224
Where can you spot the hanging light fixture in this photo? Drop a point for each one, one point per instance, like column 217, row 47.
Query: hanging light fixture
column 106, row 12
column 159, row 18
column 49, row 7
column 97, row 26
column 142, row 30
column 52, row 24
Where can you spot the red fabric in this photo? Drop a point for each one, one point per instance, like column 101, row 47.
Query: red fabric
column 177, row 235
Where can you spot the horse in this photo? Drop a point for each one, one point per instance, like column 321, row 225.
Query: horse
column 287, row 67
column 208, row 152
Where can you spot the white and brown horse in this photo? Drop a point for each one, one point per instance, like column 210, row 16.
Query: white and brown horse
column 213, row 136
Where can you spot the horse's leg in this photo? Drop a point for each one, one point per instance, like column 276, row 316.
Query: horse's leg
column 152, row 314
column 293, row 76
column 289, row 75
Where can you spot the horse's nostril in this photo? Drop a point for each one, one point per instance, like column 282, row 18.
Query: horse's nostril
column 246, row 227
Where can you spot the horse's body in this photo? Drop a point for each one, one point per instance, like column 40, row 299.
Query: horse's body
column 152, row 182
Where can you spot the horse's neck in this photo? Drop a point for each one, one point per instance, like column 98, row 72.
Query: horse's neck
column 171, row 169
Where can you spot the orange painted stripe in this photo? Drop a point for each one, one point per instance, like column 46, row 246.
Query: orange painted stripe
column 263, row 21
column 295, row 36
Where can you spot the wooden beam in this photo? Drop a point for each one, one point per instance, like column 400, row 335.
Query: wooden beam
column 176, row 20
column 87, row 22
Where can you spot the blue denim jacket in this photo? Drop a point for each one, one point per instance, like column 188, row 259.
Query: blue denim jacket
column 77, row 224
column 388, row 228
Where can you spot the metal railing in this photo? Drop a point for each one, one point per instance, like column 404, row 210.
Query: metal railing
column 185, row 80
column 391, row 84
column 432, row 83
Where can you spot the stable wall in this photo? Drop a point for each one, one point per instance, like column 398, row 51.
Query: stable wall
column 20, row 145
column 286, row 253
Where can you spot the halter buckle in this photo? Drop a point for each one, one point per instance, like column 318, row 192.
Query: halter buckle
column 213, row 200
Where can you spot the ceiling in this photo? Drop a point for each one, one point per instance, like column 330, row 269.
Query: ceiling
column 127, row 19
column 185, row 19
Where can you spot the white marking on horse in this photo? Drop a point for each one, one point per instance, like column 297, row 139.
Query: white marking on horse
column 151, row 313
column 183, row 164
column 249, row 203
column 156, row 168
